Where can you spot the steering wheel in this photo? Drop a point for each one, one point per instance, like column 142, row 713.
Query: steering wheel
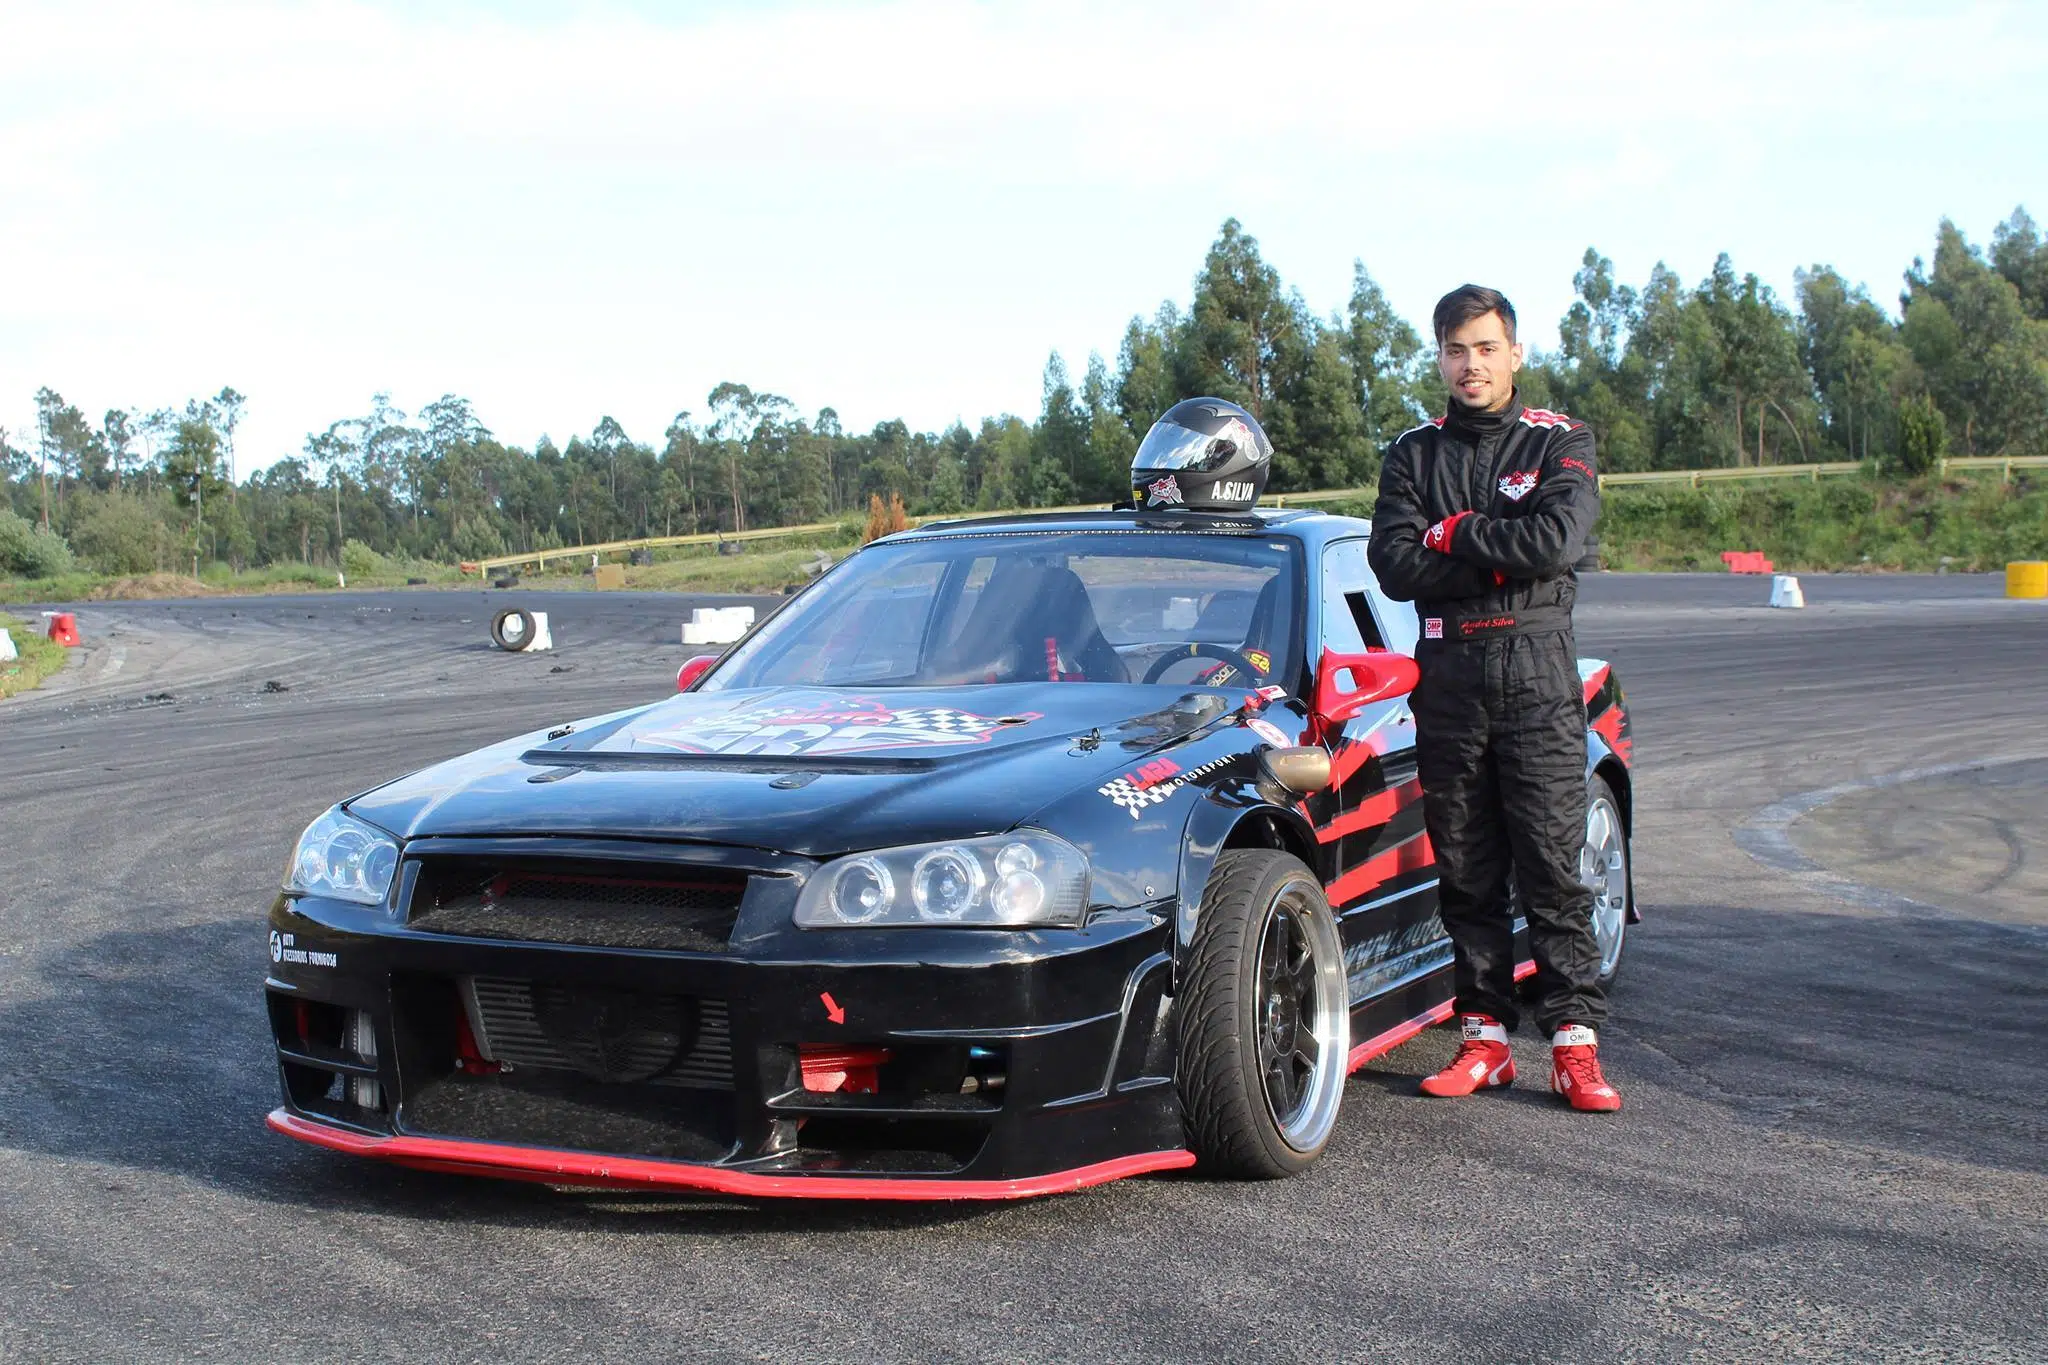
column 1201, row 649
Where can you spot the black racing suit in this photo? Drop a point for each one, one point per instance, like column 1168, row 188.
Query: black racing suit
column 1500, row 716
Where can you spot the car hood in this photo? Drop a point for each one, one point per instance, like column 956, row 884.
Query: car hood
column 812, row 771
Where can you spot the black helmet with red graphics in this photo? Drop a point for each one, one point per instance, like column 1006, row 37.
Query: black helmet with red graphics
column 1205, row 455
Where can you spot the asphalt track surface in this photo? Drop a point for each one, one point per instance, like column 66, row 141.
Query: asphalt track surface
column 1834, row 1147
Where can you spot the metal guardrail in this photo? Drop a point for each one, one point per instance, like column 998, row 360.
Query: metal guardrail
column 2004, row 464
column 1692, row 478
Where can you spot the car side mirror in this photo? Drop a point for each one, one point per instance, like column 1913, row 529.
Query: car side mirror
column 1302, row 769
column 1374, row 676
column 687, row 675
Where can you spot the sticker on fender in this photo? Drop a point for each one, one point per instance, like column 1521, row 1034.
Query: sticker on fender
column 283, row 948
column 1268, row 731
column 1154, row 782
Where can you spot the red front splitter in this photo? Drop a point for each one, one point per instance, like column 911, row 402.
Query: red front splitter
column 555, row 1167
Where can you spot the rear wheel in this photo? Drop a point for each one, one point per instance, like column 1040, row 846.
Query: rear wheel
column 1603, row 867
column 1265, row 1034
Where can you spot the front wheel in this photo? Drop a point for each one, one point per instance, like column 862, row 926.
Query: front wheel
column 1264, row 1020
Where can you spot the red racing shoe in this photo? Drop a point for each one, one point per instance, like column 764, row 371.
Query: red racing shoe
column 1575, row 1071
column 1483, row 1061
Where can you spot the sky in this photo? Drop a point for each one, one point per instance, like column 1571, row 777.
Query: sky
column 899, row 209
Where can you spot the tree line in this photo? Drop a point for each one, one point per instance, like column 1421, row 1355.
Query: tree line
column 1721, row 373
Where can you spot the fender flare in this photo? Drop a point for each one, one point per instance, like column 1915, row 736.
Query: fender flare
column 1210, row 824
column 1602, row 761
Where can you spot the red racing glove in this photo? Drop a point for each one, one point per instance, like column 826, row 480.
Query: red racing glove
column 1438, row 537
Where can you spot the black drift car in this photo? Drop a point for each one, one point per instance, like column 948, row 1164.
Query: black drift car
column 1009, row 857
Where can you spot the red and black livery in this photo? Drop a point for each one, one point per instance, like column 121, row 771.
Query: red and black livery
column 595, row 955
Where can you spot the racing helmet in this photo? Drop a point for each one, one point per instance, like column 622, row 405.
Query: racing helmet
column 1203, row 454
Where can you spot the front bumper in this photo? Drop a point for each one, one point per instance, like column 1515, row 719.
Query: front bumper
column 1014, row 1064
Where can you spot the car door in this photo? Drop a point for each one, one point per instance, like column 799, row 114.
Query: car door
column 1370, row 818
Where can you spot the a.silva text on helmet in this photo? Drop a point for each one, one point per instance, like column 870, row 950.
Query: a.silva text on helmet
column 1204, row 454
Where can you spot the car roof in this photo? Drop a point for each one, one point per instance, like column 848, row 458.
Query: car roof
column 1300, row 523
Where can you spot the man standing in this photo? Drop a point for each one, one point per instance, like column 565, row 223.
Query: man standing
column 1482, row 513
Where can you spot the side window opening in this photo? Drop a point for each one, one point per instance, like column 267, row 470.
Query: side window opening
column 1361, row 615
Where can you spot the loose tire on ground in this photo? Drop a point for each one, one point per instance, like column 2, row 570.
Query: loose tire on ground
column 1604, row 867
column 512, row 629
column 1235, row 1019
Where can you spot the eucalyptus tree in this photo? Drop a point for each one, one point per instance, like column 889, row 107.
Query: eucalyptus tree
column 1984, row 359
column 1388, row 359
column 227, row 406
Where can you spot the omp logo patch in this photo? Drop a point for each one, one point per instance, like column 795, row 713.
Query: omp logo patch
column 1515, row 487
column 1433, row 628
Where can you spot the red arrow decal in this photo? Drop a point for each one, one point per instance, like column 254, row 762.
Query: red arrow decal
column 832, row 1009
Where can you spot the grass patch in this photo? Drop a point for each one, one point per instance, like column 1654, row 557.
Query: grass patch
column 1966, row 523
column 218, row 580
column 759, row 566
column 40, row 657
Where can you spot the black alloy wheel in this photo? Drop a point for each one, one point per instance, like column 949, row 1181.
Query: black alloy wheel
column 1264, row 1019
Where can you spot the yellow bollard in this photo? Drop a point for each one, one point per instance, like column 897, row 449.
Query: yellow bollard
column 2027, row 578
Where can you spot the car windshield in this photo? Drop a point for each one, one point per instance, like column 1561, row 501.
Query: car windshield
column 1119, row 606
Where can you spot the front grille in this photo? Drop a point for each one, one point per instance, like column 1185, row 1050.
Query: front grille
column 595, row 905
column 604, row 1034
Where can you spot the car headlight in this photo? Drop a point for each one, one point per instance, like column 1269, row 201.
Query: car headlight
column 342, row 857
column 1023, row 880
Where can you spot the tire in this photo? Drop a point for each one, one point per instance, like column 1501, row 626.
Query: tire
column 1604, row 866
column 1242, row 1121
column 513, row 629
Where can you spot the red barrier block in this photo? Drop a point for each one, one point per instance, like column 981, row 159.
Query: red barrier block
column 1745, row 561
column 63, row 628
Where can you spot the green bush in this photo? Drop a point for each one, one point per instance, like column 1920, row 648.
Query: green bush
column 1923, row 435
column 360, row 561
column 119, row 534
column 31, row 551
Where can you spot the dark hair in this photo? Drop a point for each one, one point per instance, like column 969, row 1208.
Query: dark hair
column 1469, row 301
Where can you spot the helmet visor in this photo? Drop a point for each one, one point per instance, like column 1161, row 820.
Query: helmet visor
column 1171, row 446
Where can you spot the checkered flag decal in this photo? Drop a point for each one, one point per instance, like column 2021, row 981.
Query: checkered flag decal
column 1134, row 798
column 941, row 720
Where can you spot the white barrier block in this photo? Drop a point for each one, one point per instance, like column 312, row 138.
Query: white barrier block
column 542, row 637
column 1785, row 591
column 7, row 650
column 717, row 625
